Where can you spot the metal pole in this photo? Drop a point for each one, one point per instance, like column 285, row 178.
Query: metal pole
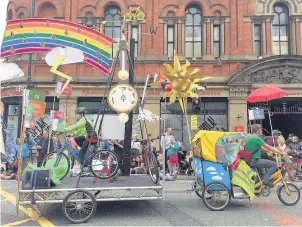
column 30, row 57
column 128, row 126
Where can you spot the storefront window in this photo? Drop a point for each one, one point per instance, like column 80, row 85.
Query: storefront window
column 213, row 117
column 13, row 119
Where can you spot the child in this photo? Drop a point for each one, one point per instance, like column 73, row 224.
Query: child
column 173, row 155
column 56, row 144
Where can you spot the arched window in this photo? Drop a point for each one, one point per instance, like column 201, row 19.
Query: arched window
column 113, row 25
column 89, row 22
column 193, row 41
column 280, row 29
column 21, row 16
column 9, row 15
column 47, row 10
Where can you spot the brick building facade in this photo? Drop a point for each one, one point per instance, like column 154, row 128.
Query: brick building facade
column 243, row 44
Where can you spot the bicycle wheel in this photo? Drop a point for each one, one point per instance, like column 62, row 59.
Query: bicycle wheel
column 216, row 196
column 79, row 206
column 102, row 158
column 140, row 16
column 197, row 190
column 58, row 163
column 152, row 167
column 293, row 191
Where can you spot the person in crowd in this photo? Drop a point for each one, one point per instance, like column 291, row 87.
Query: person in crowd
column 87, row 132
column 56, row 144
column 118, row 147
column 273, row 141
column 42, row 147
column 295, row 145
column 107, row 144
column 290, row 139
column 254, row 145
column 165, row 145
column 172, row 153
column 135, row 142
column 139, row 166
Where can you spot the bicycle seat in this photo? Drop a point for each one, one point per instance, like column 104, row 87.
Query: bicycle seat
column 92, row 141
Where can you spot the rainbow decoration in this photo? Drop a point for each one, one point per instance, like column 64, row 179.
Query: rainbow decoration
column 42, row 35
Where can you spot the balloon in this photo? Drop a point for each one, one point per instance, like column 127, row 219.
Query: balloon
column 168, row 88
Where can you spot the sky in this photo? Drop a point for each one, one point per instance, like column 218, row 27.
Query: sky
column 3, row 9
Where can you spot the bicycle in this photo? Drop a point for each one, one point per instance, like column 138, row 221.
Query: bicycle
column 97, row 160
column 286, row 187
column 150, row 160
column 134, row 14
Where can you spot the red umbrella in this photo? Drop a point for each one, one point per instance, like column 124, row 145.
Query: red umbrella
column 265, row 94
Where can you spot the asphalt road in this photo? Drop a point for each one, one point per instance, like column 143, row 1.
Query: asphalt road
column 177, row 209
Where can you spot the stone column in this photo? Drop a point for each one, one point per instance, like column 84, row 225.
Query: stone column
column 69, row 105
column 222, row 42
column 237, row 108
column 182, row 39
column 292, row 36
column 175, row 35
column 298, row 36
column 252, row 32
column 209, row 36
column 268, row 28
column 165, row 38
column 263, row 36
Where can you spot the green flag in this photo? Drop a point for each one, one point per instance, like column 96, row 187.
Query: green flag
column 36, row 96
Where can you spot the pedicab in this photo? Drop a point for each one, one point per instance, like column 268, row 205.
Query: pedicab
column 221, row 175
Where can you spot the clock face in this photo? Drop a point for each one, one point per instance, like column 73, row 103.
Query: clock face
column 123, row 98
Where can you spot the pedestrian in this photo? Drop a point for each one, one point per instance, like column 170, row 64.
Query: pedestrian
column 42, row 147
column 165, row 145
column 172, row 153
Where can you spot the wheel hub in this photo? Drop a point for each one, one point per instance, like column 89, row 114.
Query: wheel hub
column 79, row 206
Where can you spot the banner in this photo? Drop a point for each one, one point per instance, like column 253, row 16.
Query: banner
column 194, row 122
column 39, row 108
column 67, row 91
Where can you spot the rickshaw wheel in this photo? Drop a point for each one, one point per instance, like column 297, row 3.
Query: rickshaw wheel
column 198, row 192
column 292, row 188
column 216, row 196
column 79, row 206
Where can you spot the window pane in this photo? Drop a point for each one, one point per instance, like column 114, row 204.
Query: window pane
column 257, row 32
column 197, row 49
column 283, row 18
column 189, row 19
column 189, row 50
column 276, row 18
column 135, row 33
column 284, row 48
column 197, row 33
column 189, row 33
column 197, row 19
column 276, row 33
column 193, row 10
column 114, row 49
column 216, row 33
column 170, row 34
column 283, row 33
column 216, row 50
column 257, row 48
column 116, row 33
column 276, row 49
column 170, row 49
column 278, row 8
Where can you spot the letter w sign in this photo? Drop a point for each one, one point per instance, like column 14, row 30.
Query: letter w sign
column 153, row 31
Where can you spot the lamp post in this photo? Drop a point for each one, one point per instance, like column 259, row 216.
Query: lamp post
column 30, row 57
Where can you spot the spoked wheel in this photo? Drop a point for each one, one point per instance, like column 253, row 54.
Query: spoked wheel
column 79, row 206
column 216, row 196
column 288, row 194
column 152, row 167
column 197, row 190
column 59, row 163
column 102, row 158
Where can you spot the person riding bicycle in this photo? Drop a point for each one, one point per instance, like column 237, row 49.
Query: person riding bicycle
column 86, row 128
column 254, row 145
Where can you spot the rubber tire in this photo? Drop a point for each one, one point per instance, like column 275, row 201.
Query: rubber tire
column 86, row 219
column 150, row 158
column 203, row 197
column 280, row 197
column 113, row 173
column 68, row 161
column 197, row 192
